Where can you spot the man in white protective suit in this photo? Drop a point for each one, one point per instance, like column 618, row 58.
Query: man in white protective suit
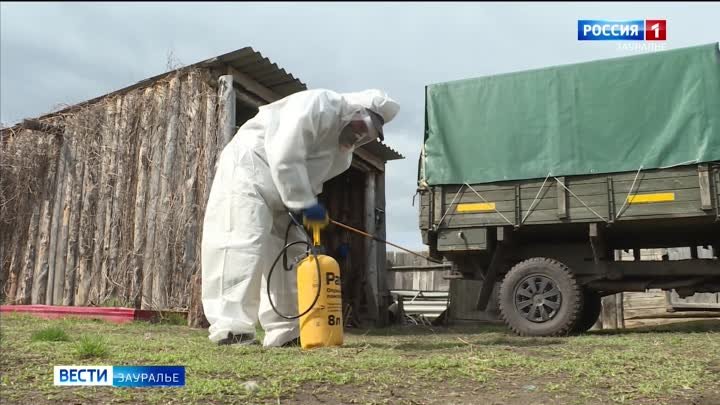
column 276, row 164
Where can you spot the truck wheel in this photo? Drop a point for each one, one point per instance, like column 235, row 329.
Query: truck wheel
column 540, row 297
column 592, row 305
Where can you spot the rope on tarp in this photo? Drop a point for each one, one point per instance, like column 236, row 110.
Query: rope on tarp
column 581, row 201
column 484, row 200
column 451, row 204
column 632, row 186
column 532, row 205
column 689, row 162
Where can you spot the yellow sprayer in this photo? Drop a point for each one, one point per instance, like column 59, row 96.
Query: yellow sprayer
column 319, row 287
column 323, row 325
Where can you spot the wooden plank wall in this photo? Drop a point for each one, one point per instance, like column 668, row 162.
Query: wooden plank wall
column 414, row 280
column 110, row 210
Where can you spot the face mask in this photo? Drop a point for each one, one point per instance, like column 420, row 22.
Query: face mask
column 348, row 138
column 352, row 138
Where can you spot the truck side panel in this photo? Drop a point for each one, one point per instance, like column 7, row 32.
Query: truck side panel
column 620, row 197
column 716, row 171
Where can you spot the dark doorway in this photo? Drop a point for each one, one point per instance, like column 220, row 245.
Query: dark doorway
column 344, row 197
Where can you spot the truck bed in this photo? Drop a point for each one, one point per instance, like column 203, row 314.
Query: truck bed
column 681, row 197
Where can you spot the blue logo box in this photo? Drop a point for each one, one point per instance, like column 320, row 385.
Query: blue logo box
column 120, row 376
column 148, row 376
column 605, row 30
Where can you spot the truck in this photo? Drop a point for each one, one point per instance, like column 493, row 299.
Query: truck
column 533, row 180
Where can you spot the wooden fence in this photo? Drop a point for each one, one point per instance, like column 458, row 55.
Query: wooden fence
column 409, row 272
column 103, row 202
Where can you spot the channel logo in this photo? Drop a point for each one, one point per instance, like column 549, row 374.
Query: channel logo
column 632, row 30
column 120, row 376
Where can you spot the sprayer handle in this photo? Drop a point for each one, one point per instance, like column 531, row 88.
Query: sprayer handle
column 316, row 212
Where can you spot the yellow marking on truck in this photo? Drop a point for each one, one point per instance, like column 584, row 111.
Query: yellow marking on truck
column 476, row 207
column 651, row 198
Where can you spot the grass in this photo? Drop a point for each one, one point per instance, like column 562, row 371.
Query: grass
column 674, row 364
column 89, row 347
column 173, row 318
column 116, row 302
column 50, row 334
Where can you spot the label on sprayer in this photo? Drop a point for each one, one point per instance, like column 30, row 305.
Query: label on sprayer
column 323, row 325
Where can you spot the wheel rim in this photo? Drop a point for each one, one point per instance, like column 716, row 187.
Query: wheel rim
column 537, row 298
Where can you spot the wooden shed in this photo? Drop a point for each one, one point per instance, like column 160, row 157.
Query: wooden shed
column 101, row 203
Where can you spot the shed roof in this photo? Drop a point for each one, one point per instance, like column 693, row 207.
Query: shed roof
column 382, row 151
column 260, row 69
column 250, row 63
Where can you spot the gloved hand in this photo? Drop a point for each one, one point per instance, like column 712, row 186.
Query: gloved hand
column 316, row 212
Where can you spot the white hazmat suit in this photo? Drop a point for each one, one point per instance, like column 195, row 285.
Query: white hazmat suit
column 277, row 161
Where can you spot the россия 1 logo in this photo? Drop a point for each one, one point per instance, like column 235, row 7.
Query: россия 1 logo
column 632, row 30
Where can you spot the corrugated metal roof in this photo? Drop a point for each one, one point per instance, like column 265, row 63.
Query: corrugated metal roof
column 260, row 69
column 382, row 151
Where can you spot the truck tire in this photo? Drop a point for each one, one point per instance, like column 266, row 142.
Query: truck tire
column 540, row 297
column 592, row 306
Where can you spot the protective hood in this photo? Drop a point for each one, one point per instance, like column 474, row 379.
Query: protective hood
column 297, row 137
column 373, row 99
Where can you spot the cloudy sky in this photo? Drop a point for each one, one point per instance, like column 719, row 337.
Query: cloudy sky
column 62, row 53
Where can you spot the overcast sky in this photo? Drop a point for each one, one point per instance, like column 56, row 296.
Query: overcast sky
column 55, row 53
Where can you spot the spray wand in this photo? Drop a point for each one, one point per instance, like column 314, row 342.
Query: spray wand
column 367, row 235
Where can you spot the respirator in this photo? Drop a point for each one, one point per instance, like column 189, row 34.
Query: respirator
column 365, row 127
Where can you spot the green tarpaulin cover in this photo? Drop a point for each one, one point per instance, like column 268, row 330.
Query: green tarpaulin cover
column 652, row 111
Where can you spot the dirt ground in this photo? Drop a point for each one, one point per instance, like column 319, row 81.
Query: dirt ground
column 666, row 364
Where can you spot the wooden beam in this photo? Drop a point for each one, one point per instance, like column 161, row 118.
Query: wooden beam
column 249, row 99
column 252, row 86
column 226, row 110
column 562, row 208
column 55, row 221
column 372, row 292
column 369, row 158
column 431, row 267
column 609, row 313
column 384, row 298
column 620, row 308
column 63, row 219
column 361, row 165
column 704, row 178
column 437, row 205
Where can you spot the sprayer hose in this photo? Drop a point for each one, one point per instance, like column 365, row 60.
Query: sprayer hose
column 319, row 277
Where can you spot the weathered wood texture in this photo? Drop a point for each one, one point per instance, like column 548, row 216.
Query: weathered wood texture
column 216, row 135
column 658, row 304
column 110, row 208
column 344, row 197
column 425, row 280
column 590, row 198
column 27, row 166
